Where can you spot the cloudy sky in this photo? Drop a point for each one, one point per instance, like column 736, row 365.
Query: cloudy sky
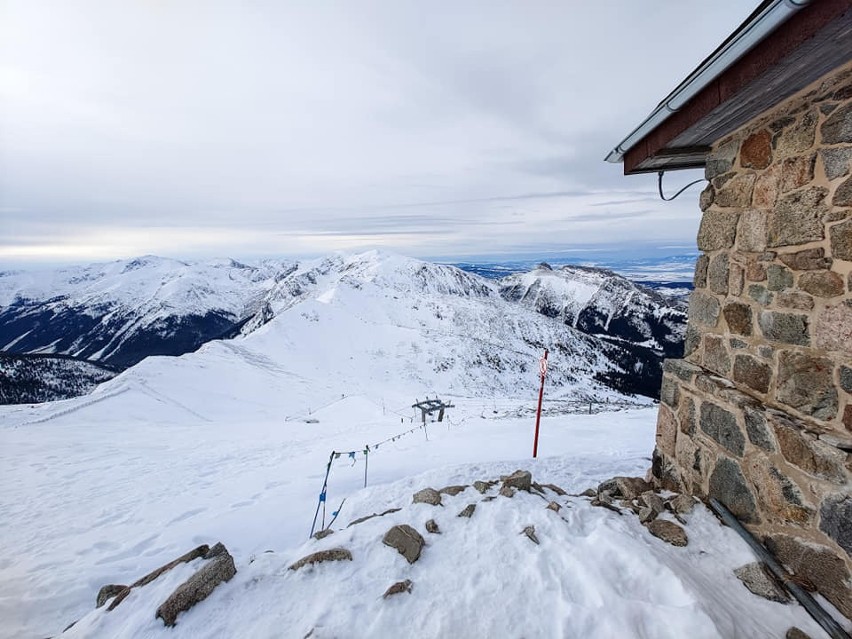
column 259, row 128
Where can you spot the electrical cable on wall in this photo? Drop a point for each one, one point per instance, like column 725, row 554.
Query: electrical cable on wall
column 660, row 187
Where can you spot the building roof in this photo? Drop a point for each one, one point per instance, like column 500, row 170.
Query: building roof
column 782, row 47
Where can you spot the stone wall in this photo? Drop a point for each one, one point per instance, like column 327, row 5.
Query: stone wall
column 758, row 414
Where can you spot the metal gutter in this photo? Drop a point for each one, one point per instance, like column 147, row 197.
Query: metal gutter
column 828, row 623
column 756, row 28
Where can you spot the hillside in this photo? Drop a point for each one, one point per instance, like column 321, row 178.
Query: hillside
column 646, row 325
column 120, row 312
column 29, row 379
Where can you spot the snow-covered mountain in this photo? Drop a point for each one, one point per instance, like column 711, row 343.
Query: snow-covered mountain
column 466, row 329
column 602, row 303
column 382, row 324
column 482, row 334
column 121, row 312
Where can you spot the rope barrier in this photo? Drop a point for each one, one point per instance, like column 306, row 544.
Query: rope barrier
column 322, row 494
column 353, row 455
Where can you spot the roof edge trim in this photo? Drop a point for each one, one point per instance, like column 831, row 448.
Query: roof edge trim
column 756, row 28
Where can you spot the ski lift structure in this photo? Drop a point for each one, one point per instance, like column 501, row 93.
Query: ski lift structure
column 431, row 406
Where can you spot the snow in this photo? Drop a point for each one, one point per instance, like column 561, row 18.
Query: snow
column 230, row 444
column 95, row 500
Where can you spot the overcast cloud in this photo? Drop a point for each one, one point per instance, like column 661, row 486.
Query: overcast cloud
column 441, row 129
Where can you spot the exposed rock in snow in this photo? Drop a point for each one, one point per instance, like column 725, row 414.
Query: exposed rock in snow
column 682, row 504
column 758, row 581
column 520, row 479
column 108, row 592
column 398, row 588
column 197, row 588
column 624, row 487
column 467, row 511
column 427, row 496
column 407, row 541
column 668, row 531
column 529, row 531
column 333, row 554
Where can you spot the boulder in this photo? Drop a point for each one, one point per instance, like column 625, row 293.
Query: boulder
column 398, row 588
column 520, row 479
column 483, row 486
column 195, row 553
column 322, row 534
column 119, row 597
column 758, row 581
column 507, row 491
column 198, row 587
column 682, row 504
column 452, row 491
column 668, row 531
column 428, row 496
column 407, row 541
column 432, row 527
column 647, row 515
column 334, row 554
column 624, row 487
column 555, row 489
column 652, row 500
column 554, row 507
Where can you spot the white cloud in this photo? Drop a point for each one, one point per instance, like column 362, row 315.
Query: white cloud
column 334, row 123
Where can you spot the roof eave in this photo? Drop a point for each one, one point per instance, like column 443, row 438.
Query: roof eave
column 765, row 19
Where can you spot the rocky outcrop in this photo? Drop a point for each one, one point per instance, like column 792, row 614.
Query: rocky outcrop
column 197, row 588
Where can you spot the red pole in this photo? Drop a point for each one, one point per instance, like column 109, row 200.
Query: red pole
column 543, row 371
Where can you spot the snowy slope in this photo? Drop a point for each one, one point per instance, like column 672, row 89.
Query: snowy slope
column 230, row 443
column 120, row 312
column 107, row 499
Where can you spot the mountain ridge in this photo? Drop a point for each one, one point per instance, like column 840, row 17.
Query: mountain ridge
column 383, row 288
